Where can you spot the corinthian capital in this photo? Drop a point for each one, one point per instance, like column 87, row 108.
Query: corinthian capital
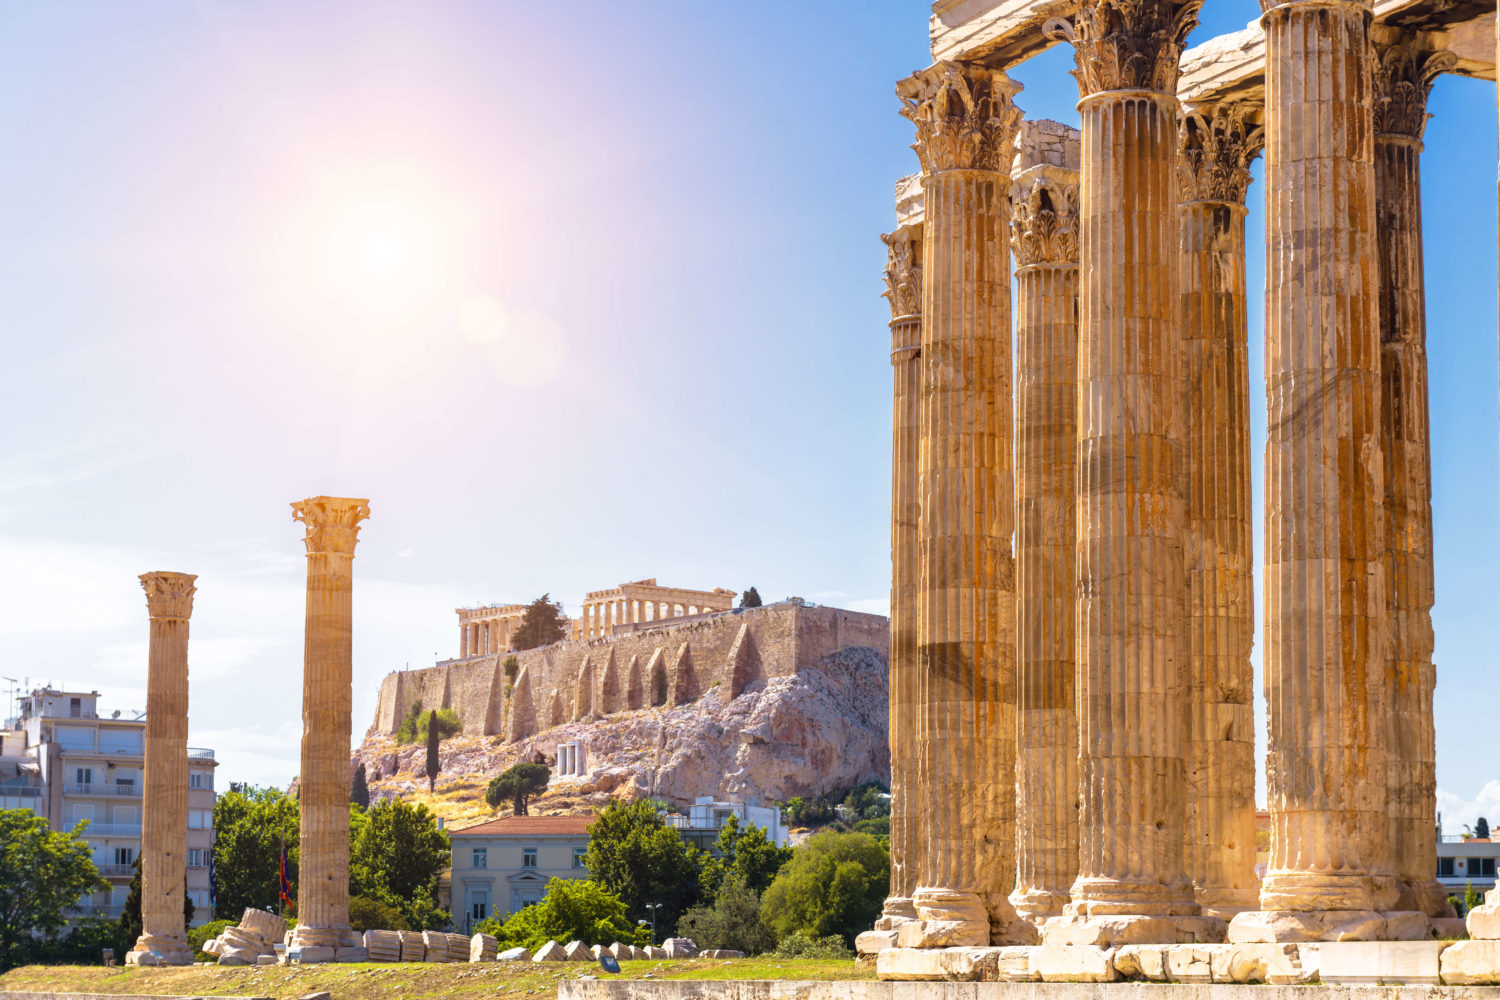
column 1404, row 74
column 1215, row 148
column 169, row 595
column 332, row 523
column 903, row 273
column 1127, row 44
column 1044, row 217
column 965, row 115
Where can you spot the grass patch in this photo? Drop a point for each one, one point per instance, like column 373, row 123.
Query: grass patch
column 400, row 981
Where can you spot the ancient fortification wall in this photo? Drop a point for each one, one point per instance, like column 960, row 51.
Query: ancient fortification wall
column 670, row 665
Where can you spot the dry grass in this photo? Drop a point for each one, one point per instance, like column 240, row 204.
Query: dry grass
column 392, row 981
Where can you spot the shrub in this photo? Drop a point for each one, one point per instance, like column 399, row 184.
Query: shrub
column 572, row 910
column 733, row 921
column 835, row 883
column 801, row 944
column 413, row 728
column 366, row 914
column 200, row 936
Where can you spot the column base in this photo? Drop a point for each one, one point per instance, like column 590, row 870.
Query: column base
column 1037, row 905
column 1113, row 930
column 1095, row 897
column 897, row 911
column 1007, row 927
column 1224, row 902
column 1426, row 896
column 1316, row 892
column 1293, row 926
column 159, row 949
column 1483, row 922
column 946, row 918
column 327, row 944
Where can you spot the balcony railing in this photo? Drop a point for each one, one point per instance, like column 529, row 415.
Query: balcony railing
column 199, row 753
column 116, row 870
column 113, row 912
column 104, row 788
column 20, row 792
column 107, row 829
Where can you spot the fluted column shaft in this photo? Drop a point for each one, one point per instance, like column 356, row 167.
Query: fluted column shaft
column 966, row 598
column 1325, row 537
column 1403, row 78
column 169, row 599
column 1217, row 147
column 327, row 693
column 909, row 803
column 1045, row 241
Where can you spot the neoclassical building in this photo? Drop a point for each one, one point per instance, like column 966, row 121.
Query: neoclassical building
column 1072, row 605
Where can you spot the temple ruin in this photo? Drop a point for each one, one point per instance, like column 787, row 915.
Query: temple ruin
column 1072, row 598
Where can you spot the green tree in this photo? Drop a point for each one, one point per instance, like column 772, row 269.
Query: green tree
column 200, row 936
column 359, row 788
column 1471, row 897
column 743, row 852
column 42, row 874
column 367, row 914
column 868, row 801
column 434, row 761
column 414, row 726
column 542, row 623
column 396, row 854
column 250, row 825
column 750, row 598
column 835, row 883
column 635, row 856
column 732, row 921
column 572, row 910
column 517, row 784
column 1482, row 828
column 130, row 915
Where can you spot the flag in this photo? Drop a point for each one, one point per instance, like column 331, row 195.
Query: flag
column 286, row 886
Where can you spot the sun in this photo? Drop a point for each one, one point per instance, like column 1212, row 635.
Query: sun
column 382, row 257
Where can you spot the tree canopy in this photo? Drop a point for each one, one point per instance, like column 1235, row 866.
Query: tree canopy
column 635, row 856
column 359, row 788
column 517, row 784
column 250, row 825
column 835, row 883
column 396, row 854
column 434, row 754
column 542, row 623
column 750, row 598
column 42, row 873
column 732, row 921
column 572, row 910
column 744, row 852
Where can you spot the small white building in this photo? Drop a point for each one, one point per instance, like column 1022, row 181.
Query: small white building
column 1462, row 863
column 706, row 817
column 504, row 865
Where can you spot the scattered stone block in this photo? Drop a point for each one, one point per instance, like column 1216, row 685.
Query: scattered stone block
column 729, row 953
column 483, row 948
column 313, row 955
column 265, row 960
column 436, row 945
column 1073, row 964
column 383, row 946
column 413, row 947
column 550, row 952
column 458, row 948
column 321, row 995
column 1484, row 921
column 577, row 951
column 1470, row 963
column 1375, row 962
column 514, row 955
column 874, row 942
column 1451, row 928
column 596, row 951
column 680, row 947
column 1190, row 963
column 655, row 953
column 237, row 956
column 351, row 953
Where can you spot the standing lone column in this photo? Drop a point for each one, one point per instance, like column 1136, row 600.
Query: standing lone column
column 1403, row 76
column 327, row 695
column 1214, row 173
column 1132, row 680
column 903, row 279
column 966, row 123
column 1325, row 536
column 163, row 940
column 1044, row 236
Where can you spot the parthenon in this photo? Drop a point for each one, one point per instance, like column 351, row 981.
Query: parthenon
column 1072, row 602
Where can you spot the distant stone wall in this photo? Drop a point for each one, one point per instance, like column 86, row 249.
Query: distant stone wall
column 673, row 664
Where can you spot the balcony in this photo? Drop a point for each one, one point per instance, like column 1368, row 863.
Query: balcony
column 116, row 871
column 20, row 792
column 111, row 912
column 104, row 788
column 106, row 829
column 199, row 753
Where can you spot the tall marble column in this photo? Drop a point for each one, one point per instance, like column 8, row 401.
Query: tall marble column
column 1214, row 175
column 966, row 123
column 463, row 641
column 1044, row 237
column 903, row 279
column 163, row 940
column 323, row 931
column 1403, row 75
column 1325, row 534
column 1132, row 677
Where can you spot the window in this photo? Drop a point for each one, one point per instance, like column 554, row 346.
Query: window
column 125, row 815
column 477, row 911
column 75, row 707
column 195, row 780
column 1445, row 868
column 200, row 819
column 83, row 776
column 82, row 812
column 578, row 853
column 1482, row 866
column 197, row 857
column 481, row 857
column 124, row 855
column 528, row 857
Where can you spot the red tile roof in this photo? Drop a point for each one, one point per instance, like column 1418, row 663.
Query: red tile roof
column 531, row 826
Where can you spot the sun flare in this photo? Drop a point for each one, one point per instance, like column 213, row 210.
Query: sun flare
column 383, row 257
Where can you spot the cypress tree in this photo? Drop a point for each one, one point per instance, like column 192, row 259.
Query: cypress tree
column 433, row 737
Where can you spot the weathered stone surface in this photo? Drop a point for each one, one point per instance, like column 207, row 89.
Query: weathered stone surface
column 1073, row 964
column 943, row 934
column 577, row 951
column 1107, row 931
column 266, row 960
column 514, row 955
column 680, row 947
column 237, row 956
column 483, row 948
column 1471, row 963
column 1483, row 922
column 316, row 955
column 1356, row 962
column 871, row 942
column 549, row 952
column 1142, row 961
column 655, row 953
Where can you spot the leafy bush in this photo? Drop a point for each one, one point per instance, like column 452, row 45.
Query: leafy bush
column 835, row 883
column 200, row 936
column 733, row 921
column 804, row 812
column 878, row 827
column 801, row 944
column 638, row 859
column 366, row 914
column 868, row 801
column 572, row 910
column 413, row 728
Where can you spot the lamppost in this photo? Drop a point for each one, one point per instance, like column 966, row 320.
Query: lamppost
column 653, row 907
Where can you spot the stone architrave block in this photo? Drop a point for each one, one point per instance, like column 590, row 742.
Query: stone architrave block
column 1379, row 962
column 1073, row 964
column 550, row 952
column 1471, row 963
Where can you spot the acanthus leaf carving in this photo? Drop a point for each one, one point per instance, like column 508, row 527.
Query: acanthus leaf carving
column 332, row 523
column 1127, row 44
column 965, row 116
column 1215, row 148
column 903, row 274
column 1044, row 221
column 1404, row 75
column 169, row 595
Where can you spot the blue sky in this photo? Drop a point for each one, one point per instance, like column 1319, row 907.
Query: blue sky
column 575, row 295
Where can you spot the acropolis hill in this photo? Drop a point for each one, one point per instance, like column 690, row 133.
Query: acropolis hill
column 770, row 702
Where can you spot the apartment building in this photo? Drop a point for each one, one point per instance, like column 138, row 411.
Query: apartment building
column 64, row 762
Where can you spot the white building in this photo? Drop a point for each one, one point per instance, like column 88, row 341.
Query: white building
column 1462, row 863
column 706, row 817
column 504, row 865
column 59, row 759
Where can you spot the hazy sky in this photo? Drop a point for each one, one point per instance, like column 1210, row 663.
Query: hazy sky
column 575, row 294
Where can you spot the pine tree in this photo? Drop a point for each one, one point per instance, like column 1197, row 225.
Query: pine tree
column 542, row 623
column 359, row 791
column 750, row 598
column 434, row 737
